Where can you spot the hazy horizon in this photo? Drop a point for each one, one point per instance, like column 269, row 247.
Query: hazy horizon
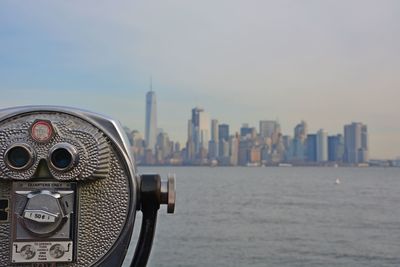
column 326, row 62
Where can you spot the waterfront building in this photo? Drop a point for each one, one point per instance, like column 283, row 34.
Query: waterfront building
column 298, row 150
column 138, row 145
column 223, row 137
column 301, row 130
column 335, row 148
column 270, row 132
column 277, row 134
column 202, row 156
column 267, row 128
column 214, row 130
column 224, row 152
column 254, row 155
column 244, row 147
column 300, row 135
column 223, row 132
column 245, row 130
column 287, row 142
column 234, row 150
column 396, row 162
column 190, row 153
column 149, row 158
column 356, row 143
column 322, row 146
column 199, row 132
column 151, row 120
column 312, row 147
column 265, row 154
column 279, row 149
column 213, row 145
column 163, row 146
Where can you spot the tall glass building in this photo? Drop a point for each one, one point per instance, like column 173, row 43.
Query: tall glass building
column 151, row 120
column 335, row 148
column 356, row 143
column 200, row 129
column 267, row 128
column 312, row 147
column 322, row 146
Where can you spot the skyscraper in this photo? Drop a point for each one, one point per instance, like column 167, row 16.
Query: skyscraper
column 267, row 128
column 322, row 146
column 234, row 150
column 300, row 131
column 223, row 138
column 223, row 132
column 213, row 145
column 356, row 143
column 246, row 130
column 214, row 130
column 312, row 147
column 300, row 134
column 163, row 145
column 335, row 148
column 190, row 155
column 151, row 119
column 200, row 129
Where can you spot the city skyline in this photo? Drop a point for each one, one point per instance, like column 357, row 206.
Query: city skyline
column 328, row 63
column 249, row 146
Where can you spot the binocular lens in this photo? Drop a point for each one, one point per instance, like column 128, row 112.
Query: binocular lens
column 18, row 157
column 61, row 158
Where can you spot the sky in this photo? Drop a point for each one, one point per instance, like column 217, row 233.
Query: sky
column 326, row 62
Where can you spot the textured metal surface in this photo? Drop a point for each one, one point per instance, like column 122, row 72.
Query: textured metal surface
column 91, row 144
column 5, row 244
column 103, row 211
column 106, row 205
column 102, row 214
column 5, row 189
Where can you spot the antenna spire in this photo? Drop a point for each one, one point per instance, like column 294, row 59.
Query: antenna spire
column 151, row 83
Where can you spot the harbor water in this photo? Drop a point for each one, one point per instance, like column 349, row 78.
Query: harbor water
column 294, row 216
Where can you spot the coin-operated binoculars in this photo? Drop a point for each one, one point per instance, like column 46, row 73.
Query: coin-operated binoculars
column 69, row 190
